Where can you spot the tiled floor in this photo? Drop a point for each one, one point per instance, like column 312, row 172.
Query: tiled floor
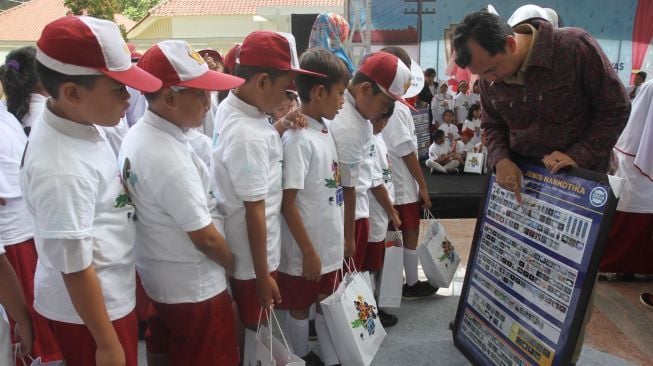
column 620, row 325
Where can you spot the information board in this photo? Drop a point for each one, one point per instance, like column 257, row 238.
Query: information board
column 533, row 267
column 422, row 130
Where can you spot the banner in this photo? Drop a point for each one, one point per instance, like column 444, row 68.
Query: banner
column 532, row 268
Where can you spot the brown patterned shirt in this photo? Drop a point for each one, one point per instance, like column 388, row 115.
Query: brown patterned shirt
column 571, row 101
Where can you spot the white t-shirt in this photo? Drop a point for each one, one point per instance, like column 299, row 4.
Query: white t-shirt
column 382, row 175
column 400, row 138
column 15, row 220
column 438, row 151
column 637, row 191
column 439, row 104
column 352, row 134
column 478, row 149
column 451, row 133
column 310, row 165
column 475, row 98
column 116, row 134
column 461, row 103
column 247, row 162
column 36, row 106
column 202, row 145
column 82, row 216
column 461, row 147
column 365, row 180
column 472, row 125
column 137, row 106
column 208, row 122
column 171, row 190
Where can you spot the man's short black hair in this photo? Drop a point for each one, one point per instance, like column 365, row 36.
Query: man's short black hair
column 324, row 62
column 489, row 30
column 249, row 72
column 52, row 80
column 643, row 74
column 400, row 53
column 429, row 72
column 359, row 78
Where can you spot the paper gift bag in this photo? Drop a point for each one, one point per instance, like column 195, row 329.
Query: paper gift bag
column 391, row 284
column 474, row 163
column 262, row 348
column 439, row 258
column 352, row 318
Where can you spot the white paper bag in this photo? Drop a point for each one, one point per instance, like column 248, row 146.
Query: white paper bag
column 264, row 349
column 439, row 258
column 352, row 318
column 391, row 284
column 474, row 163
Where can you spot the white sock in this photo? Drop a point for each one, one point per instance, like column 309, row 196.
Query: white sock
column 329, row 355
column 410, row 266
column 297, row 331
column 311, row 312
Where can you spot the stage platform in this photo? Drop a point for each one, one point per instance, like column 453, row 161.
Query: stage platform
column 455, row 195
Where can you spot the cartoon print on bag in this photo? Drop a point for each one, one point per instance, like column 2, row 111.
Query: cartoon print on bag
column 449, row 252
column 366, row 315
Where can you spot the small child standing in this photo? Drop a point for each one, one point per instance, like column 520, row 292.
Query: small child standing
column 84, row 224
column 442, row 101
column 247, row 168
column 473, row 122
column 312, row 231
column 462, row 101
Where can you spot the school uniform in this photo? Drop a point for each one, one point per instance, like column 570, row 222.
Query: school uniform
column 474, row 125
column 115, row 134
column 440, row 103
column 461, row 103
column 201, row 144
column 73, row 189
column 247, row 161
column 311, row 167
column 36, row 106
column 378, row 216
column 475, row 98
column 437, row 152
column 451, row 133
column 171, row 189
column 137, row 106
column 352, row 134
column 400, row 138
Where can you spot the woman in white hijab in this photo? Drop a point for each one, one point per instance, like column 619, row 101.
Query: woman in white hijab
column 630, row 243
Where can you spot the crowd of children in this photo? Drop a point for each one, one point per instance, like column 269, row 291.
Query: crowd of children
column 135, row 180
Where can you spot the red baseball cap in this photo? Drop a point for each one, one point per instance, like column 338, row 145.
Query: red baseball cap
column 135, row 55
column 230, row 59
column 177, row 63
column 389, row 73
column 275, row 50
column 84, row 45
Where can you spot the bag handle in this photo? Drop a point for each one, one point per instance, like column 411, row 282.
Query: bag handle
column 16, row 351
column 429, row 215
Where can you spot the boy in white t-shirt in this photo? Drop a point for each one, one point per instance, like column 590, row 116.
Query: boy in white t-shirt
column 83, row 218
column 380, row 81
column 461, row 102
column 181, row 255
column 312, row 236
column 441, row 157
column 440, row 103
column 411, row 193
column 247, row 168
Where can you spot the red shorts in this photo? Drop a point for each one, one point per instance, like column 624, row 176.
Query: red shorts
column 78, row 346
column 23, row 258
column 374, row 256
column 362, row 231
column 142, row 301
column 244, row 292
column 297, row 293
column 202, row 333
column 409, row 215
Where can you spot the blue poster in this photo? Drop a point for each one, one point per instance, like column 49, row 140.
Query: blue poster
column 532, row 268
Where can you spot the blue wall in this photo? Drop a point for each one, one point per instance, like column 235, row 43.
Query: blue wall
column 609, row 21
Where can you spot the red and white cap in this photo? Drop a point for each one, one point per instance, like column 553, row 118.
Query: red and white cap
column 177, row 63
column 388, row 72
column 274, row 50
column 88, row 46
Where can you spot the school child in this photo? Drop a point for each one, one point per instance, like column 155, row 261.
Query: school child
column 441, row 158
column 181, row 255
column 441, row 102
column 465, row 145
column 475, row 95
column 382, row 211
column 17, row 231
column 462, row 101
column 84, row 283
column 378, row 83
column 411, row 192
column 473, row 122
column 450, row 130
column 247, row 168
column 312, row 229
column 23, row 90
column 288, row 105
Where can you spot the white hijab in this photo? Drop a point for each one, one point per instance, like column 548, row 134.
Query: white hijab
column 636, row 140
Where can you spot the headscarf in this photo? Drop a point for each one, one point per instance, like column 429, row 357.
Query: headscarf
column 330, row 31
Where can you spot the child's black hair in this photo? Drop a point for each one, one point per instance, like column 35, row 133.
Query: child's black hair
column 438, row 134
column 360, row 78
column 19, row 79
column 52, row 80
column 470, row 112
column 448, row 111
column 400, row 53
column 249, row 72
column 324, row 62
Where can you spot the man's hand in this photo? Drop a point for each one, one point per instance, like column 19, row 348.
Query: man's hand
column 509, row 177
column 267, row 291
column 394, row 218
column 311, row 266
column 557, row 160
column 110, row 355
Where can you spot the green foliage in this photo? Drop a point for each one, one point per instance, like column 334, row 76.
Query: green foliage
column 103, row 9
column 137, row 9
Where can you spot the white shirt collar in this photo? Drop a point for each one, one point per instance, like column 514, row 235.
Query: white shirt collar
column 349, row 98
column 164, row 125
column 314, row 124
column 70, row 128
column 244, row 107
